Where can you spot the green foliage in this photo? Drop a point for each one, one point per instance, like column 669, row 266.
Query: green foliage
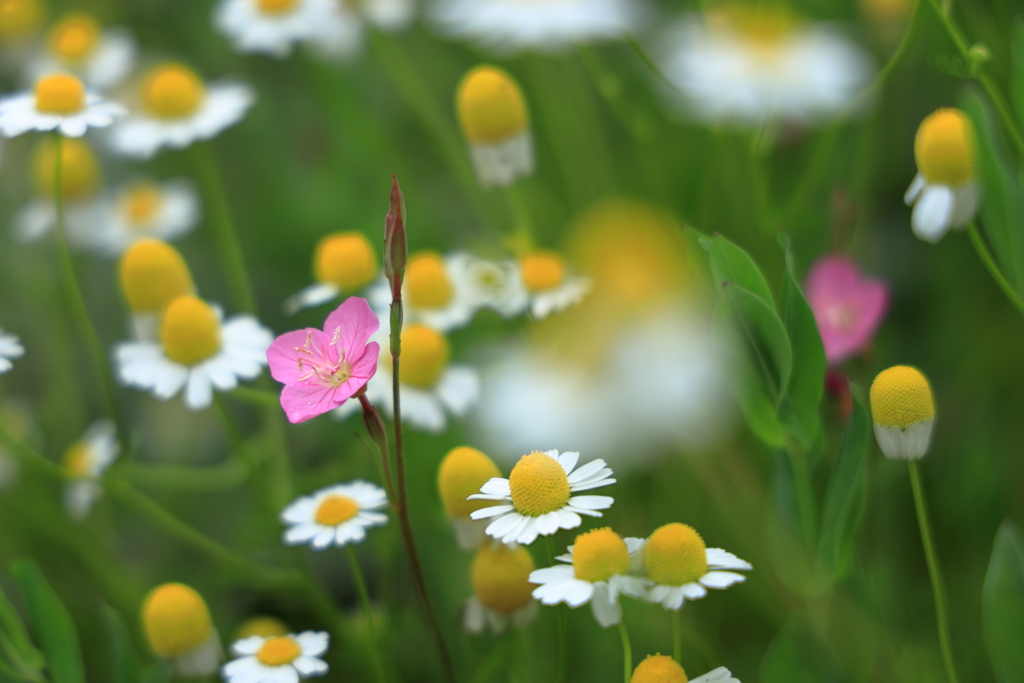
column 51, row 624
column 1003, row 604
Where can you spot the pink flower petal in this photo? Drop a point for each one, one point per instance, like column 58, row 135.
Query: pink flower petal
column 304, row 401
column 354, row 321
column 283, row 354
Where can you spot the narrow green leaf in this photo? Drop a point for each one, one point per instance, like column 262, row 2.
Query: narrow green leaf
column 758, row 410
column 51, row 624
column 731, row 264
column 766, row 337
column 1017, row 72
column 15, row 633
column 1003, row 604
column 126, row 663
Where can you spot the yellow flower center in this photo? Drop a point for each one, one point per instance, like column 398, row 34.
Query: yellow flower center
column 152, row 275
column 336, row 509
column 943, row 148
column 424, row 356
column 79, row 170
column 427, row 282
column 501, row 577
column 172, row 91
column 539, row 485
column 263, row 626
column 77, row 460
column 345, row 259
column 675, row 554
column 766, row 28
column 176, row 620
column 658, row 669
column 190, row 331
column 463, row 471
column 542, row 271
column 59, row 94
column 491, row 106
column 19, row 18
column 75, row 37
column 276, row 6
column 599, row 555
column 901, row 396
column 141, row 203
column 279, row 651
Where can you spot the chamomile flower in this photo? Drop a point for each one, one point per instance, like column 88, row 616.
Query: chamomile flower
column 501, row 589
column 903, row 412
column 152, row 274
column 84, row 463
column 662, row 669
column 435, row 292
column 279, row 659
column 77, row 44
column 496, row 285
column 274, row 27
column 462, row 472
column 496, row 125
column 176, row 108
column 550, row 288
column 680, row 567
column 178, row 627
column 336, row 515
column 141, row 209
column 343, row 262
column 596, row 570
column 509, row 26
column 945, row 192
column 10, row 348
column 58, row 102
column 197, row 351
column 537, row 498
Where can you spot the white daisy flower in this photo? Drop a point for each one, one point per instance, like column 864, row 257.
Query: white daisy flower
column 501, row 589
column 344, row 262
column 78, row 45
column 59, row 102
column 662, row 669
column 550, row 289
column 496, row 285
column 435, row 292
column 596, row 570
column 274, row 27
column 537, row 498
column 509, row 26
column 84, row 462
column 152, row 274
column 278, row 659
column 945, row 193
column 141, row 209
column 196, row 351
column 680, row 567
column 177, row 109
column 462, row 472
column 10, row 348
column 903, row 412
column 496, row 125
column 336, row 515
column 746, row 63
column 178, row 628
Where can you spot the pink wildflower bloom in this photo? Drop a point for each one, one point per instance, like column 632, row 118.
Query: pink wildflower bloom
column 847, row 307
column 321, row 370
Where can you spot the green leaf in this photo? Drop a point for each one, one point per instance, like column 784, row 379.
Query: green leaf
column 847, row 492
column 731, row 264
column 1003, row 604
column 126, row 663
column 51, row 624
column 766, row 337
column 15, row 636
column 1017, row 72
column 798, row 655
column 758, row 410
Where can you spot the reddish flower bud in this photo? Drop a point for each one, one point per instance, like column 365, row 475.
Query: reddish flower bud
column 396, row 251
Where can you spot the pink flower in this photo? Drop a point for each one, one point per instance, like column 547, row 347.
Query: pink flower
column 322, row 370
column 847, row 307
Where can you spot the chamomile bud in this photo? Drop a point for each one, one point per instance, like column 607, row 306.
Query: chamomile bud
column 343, row 262
column 501, row 588
column 152, row 275
column 495, row 123
column 79, row 172
column 425, row 355
column 178, row 627
column 463, row 471
column 662, row 669
column 903, row 412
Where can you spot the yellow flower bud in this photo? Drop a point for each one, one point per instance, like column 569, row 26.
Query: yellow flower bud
column 944, row 148
column 903, row 412
column 424, row 356
column 463, row 471
column 658, row 669
column 345, row 259
column 190, row 330
column 490, row 105
column 501, row 577
column 542, row 270
column 600, row 554
column 175, row 619
column 79, row 170
column 153, row 273
column 426, row 281
column 172, row 91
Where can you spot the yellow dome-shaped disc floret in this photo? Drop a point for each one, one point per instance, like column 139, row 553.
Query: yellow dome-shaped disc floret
column 172, row 91
column 658, row 669
column 141, row 203
column 276, row 6
column 175, row 619
column 74, row 37
column 424, row 356
column 19, row 18
column 77, row 459
column 901, row 396
column 539, row 485
column 599, row 555
column 153, row 274
column 345, row 259
column 675, row 555
column 334, row 510
column 542, row 270
column 490, row 105
column 501, row 577
column 263, row 626
column 279, row 651
column 944, row 148
column 426, row 281
column 79, row 170
column 190, row 330
column 463, row 471
column 59, row 94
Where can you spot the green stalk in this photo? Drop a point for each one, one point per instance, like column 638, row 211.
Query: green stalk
column 627, row 651
column 677, row 636
column 993, row 268
column 367, row 607
column 563, row 634
column 521, row 239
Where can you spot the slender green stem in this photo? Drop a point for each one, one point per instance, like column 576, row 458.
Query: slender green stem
column 367, row 607
column 933, row 570
column 73, row 292
column 563, row 634
column 677, row 636
column 521, row 239
column 627, row 651
column 993, row 268
column 258, row 397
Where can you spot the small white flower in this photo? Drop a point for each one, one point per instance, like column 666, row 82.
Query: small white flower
column 85, row 462
column 279, row 659
column 274, row 27
column 549, row 288
column 343, row 262
column 496, row 285
column 10, row 348
column 336, row 515
column 437, row 291
column 196, row 352
column 141, row 209
column 59, row 102
column 78, row 45
column 537, row 498
column 36, row 219
column 659, row 668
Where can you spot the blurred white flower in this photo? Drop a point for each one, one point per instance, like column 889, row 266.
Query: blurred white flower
column 85, row 461
column 142, row 209
column 58, row 102
column 79, row 45
column 437, row 291
column 10, row 348
column 274, row 27
column 336, row 515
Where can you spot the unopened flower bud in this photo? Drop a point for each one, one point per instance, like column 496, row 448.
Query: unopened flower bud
column 903, row 412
